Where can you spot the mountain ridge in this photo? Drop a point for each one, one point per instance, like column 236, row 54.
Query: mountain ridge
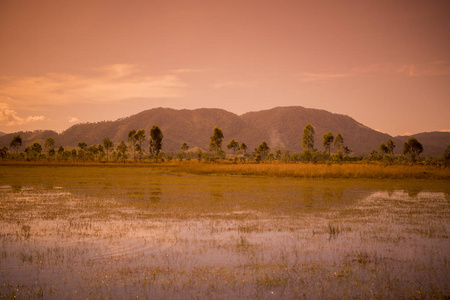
column 281, row 127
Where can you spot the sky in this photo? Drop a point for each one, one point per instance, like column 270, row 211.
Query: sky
column 384, row 63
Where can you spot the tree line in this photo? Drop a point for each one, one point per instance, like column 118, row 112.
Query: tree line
column 135, row 149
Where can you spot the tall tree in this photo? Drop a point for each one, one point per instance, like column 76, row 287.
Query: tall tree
column 447, row 156
column 308, row 137
column 140, row 138
column 384, row 149
column 15, row 144
column 243, row 147
column 82, row 145
column 215, row 143
column 327, row 141
column 234, row 145
column 60, row 149
column 132, row 141
column 50, row 146
column 107, row 145
column 122, row 151
column 92, row 152
column 184, row 147
column 36, row 149
column 82, row 151
column 101, row 151
column 338, row 143
column 390, row 145
column 156, row 136
column 262, row 150
column 413, row 148
column 3, row 152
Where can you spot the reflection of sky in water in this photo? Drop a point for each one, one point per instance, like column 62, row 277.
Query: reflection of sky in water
column 245, row 225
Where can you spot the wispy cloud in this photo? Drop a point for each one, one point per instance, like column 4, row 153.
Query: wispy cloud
column 322, row 76
column 9, row 116
column 357, row 71
column 436, row 68
column 186, row 70
column 227, row 84
column 107, row 84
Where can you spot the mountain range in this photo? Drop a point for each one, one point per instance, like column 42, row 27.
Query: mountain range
column 280, row 127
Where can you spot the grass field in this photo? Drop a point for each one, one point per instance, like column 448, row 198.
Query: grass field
column 183, row 231
column 303, row 170
column 298, row 170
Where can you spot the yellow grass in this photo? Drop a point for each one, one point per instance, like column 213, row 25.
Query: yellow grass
column 304, row 170
column 300, row 170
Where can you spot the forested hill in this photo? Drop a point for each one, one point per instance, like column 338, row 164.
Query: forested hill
column 280, row 127
column 433, row 142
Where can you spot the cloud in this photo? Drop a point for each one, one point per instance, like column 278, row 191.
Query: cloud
column 73, row 120
column 9, row 116
column 445, row 130
column 357, row 71
column 107, row 84
column 436, row 68
column 186, row 70
column 322, row 76
column 227, row 84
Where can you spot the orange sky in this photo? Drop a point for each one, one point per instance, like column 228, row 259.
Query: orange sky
column 384, row 63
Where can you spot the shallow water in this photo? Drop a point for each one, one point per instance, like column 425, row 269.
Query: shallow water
column 122, row 232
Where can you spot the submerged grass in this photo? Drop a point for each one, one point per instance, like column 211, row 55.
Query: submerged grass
column 129, row 231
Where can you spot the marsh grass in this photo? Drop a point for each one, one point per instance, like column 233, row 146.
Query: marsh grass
column 308, row 170
column 335, row 229
column 271, row 169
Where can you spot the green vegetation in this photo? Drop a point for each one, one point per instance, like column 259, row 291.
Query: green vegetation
column 413, row 148
column 156, row 136
column 336, row 152
column 328, row 141
column 107, row 145
column 15, row 145
column 308, row 138
column 215, row 144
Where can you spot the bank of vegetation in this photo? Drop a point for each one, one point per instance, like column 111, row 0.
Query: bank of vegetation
column 335, row 161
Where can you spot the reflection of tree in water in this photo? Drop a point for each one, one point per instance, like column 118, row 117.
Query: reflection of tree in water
column 413, row 192
column 217, row 195
column 146, row 193
column 16, row 188
column 338, row 194
column 333, row 195
column 324, row 196
column 155, row 192
column 107, row 185
column 216, row 190
column 308, row 196
column 390, row 191
column 328, row 195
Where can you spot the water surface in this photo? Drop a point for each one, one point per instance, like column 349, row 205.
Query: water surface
column 122, row 232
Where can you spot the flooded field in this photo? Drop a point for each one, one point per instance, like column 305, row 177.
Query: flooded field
column 140, row 232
